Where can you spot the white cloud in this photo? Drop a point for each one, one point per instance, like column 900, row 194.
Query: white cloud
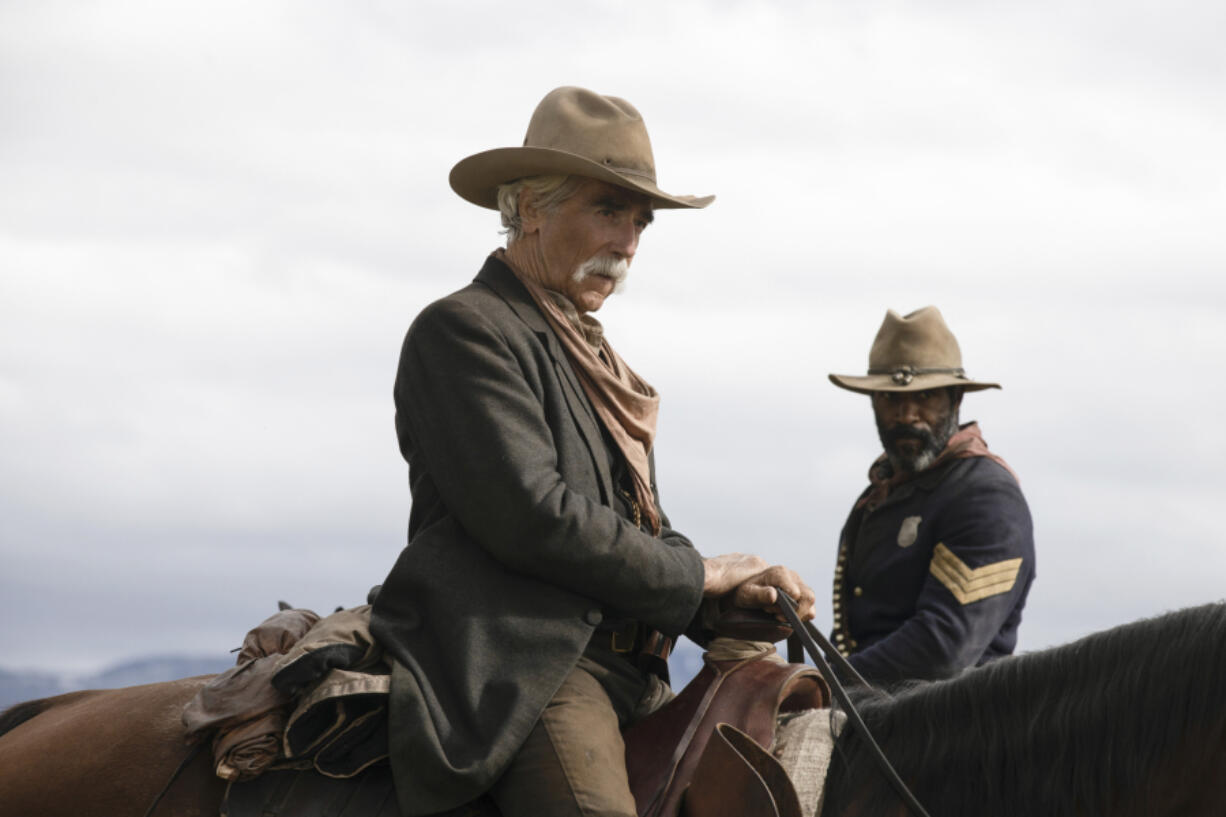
column 217, row 223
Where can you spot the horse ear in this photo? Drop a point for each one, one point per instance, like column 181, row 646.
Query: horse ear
column 284, row 605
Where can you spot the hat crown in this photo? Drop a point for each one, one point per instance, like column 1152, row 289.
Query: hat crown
column 912, row 352
column 573, row 132
column 919, row 340
column 607, row 130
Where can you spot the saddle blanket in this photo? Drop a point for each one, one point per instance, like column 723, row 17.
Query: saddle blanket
column 803, row 744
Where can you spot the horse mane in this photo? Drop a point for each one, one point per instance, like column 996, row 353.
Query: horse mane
column 1073, row 730
column 17, row 714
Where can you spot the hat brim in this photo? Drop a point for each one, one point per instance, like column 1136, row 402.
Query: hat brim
column 477, row 177
column 884, row 382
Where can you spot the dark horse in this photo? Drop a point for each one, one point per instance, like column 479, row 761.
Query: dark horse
column 1129, row 721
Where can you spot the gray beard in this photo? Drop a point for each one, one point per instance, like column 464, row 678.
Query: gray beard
column 933, row 444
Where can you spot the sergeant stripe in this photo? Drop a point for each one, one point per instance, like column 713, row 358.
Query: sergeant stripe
column 970, row 584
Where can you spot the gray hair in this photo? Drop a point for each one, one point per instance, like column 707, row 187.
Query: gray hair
column 548, row 192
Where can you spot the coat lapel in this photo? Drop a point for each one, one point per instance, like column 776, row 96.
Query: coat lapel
column 499, row 277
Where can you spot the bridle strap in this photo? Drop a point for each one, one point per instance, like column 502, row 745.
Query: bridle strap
column 810, row 637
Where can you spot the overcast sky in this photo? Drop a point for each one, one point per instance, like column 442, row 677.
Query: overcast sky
column 218, row 219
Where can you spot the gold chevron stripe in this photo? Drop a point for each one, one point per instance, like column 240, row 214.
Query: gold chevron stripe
column 973, row 584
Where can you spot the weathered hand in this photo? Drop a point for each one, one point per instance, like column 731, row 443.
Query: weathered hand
column 758, row 592
column 723, row 574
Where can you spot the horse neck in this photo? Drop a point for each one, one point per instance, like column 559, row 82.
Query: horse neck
column 1081, row 729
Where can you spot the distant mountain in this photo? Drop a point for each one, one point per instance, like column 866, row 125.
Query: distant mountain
column 156, row 668
column 18, row 685
column 23, row 686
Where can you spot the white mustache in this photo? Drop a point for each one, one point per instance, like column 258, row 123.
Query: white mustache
column 607, row 266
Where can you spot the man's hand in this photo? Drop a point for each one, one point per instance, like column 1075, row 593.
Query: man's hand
column 723, row 574
column 752, row 583
column 758, row 592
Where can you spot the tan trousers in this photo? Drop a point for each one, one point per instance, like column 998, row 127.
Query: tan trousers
column 573, row 763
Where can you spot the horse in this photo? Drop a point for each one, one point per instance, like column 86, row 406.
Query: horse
column 1128, row 721
column 123, row 752
column 104, row 753
column 1125, row 722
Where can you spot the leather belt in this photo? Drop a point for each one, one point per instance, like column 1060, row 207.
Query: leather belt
column 623, row 634
column 632, row 638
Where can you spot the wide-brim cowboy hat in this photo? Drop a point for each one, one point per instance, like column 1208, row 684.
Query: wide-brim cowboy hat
column 912, row 352
column 573, row 132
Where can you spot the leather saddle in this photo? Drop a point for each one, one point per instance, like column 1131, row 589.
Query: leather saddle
column 664, row 750
column 737, row 776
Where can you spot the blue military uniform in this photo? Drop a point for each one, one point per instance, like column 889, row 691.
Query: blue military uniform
column 933, row 578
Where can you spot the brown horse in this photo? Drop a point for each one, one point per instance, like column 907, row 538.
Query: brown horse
column 104, row 753
column 1131, row 721
column 122, row 752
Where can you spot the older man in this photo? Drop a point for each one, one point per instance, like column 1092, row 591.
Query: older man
column 937, row 556
column 541, row 580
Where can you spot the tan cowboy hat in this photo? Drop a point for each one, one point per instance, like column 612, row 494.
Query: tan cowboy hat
column 573, row 132
column 912, row 353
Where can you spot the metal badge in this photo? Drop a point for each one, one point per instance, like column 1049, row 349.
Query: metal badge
column 908, row 532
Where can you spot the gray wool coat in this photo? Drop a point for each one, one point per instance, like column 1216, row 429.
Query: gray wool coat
column 515, row 551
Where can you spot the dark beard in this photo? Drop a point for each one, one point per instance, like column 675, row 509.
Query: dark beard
column 932, row 442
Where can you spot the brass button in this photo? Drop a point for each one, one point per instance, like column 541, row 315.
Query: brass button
column 859, row 591
column 593, row 616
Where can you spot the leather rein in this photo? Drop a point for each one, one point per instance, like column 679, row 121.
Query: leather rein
column 188, row 758
column 811, row 637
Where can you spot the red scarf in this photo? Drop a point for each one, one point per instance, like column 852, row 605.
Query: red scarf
column 967, row 442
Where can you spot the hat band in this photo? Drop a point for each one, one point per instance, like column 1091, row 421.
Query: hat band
column 903, row 375
column 629, row 171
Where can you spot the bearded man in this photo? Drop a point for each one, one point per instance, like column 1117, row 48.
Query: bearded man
column 937, row 555
column 529, row 613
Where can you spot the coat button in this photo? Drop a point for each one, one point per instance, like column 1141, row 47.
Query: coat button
column 593, row 616
column 859, row 591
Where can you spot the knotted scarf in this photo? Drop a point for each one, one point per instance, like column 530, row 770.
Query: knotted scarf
column 626, row 404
